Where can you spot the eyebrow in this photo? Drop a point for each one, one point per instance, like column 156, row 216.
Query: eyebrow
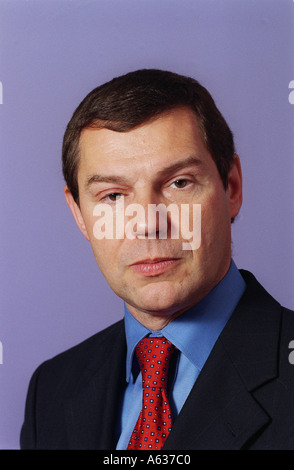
column 106, row 179
column 189, row 161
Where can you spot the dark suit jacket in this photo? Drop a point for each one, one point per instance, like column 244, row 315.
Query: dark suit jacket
column 242, row 399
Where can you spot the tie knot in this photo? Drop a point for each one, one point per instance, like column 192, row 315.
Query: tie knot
column 154, row 355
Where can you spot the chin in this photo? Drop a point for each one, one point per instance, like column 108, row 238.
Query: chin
column 161, row 298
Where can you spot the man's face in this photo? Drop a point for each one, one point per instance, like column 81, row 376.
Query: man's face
column 162, row 161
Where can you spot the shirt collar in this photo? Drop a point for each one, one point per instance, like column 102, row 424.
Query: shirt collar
column 194, row 332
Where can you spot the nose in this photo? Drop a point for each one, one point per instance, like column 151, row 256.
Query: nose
column 146, row 214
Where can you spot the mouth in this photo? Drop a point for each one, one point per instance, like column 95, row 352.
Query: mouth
column 154, row 267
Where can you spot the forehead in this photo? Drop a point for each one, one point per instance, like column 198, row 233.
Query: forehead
column 170, row 136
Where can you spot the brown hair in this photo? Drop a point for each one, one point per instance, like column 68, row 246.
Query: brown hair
column 132, row 99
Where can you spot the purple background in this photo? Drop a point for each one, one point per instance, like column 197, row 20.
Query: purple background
column 52, row 53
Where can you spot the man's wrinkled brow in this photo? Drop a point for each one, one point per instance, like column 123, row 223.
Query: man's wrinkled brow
column 189, row 161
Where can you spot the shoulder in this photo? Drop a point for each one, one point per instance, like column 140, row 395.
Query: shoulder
column 259, row 325
column 56, row 380
column 84, row 357
column 261, row 313
column 95, row 343
column 287, row 334
column 92, row 345
column 256, row 294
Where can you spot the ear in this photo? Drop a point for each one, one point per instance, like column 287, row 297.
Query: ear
column 234, row 189
column 76, row 212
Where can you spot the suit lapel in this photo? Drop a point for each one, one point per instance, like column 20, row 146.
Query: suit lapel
column 221, row 411
column 92, row 412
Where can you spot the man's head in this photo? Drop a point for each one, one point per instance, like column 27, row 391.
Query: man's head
column 153, row 137
column 132, row 99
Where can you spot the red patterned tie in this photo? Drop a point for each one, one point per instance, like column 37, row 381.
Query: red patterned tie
column 155, row 420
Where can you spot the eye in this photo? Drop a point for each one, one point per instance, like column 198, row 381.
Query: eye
column 113, row 197
column 180, row 183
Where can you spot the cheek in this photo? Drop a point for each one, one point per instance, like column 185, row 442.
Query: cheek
column 106, row 254
column 215, row 219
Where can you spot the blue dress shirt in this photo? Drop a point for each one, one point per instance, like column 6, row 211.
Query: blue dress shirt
column 194, row 333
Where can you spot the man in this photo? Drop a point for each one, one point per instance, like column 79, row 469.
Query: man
column 156, row 139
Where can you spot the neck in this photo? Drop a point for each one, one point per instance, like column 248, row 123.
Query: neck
column 157, row 320
column 153, row 321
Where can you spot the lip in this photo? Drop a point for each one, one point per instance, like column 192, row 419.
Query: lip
column 154, row 267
